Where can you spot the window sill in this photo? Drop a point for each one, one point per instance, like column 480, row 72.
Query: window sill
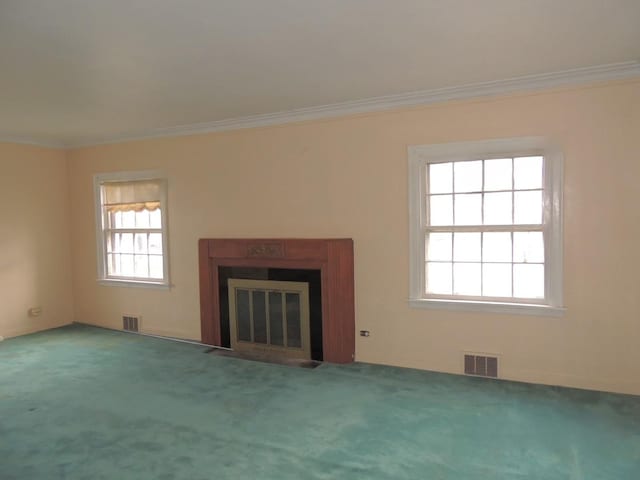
column 488, row 307
column 108, row 282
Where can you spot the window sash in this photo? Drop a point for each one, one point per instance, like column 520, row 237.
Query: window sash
column 109, row 233
column 132, row 230
column 481, row 262
column 534, row 227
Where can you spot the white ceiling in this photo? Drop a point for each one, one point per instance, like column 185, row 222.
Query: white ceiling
column 78, row 71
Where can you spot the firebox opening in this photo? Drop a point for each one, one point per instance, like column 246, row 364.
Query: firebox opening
column 312, row 277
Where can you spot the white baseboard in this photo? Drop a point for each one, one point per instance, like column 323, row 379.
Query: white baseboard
column 153, row 335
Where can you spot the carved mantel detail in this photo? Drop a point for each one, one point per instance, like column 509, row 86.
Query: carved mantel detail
column 265, row 250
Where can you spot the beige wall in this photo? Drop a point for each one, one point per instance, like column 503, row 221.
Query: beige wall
column 35, row 263
column 347, row 177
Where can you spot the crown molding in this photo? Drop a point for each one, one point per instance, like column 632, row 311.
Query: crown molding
column 576, row 76
column 33, row 142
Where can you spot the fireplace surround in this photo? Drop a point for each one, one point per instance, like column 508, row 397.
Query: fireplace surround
column 332, row 257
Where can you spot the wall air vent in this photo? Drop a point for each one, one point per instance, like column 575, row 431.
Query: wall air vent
column 131, row 323
column 480, row 365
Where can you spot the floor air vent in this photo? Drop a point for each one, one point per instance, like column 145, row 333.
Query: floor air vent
column 130, row 323
column 480, row 365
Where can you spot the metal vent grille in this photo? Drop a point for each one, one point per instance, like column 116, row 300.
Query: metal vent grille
column 130, row 323
column 481, row 365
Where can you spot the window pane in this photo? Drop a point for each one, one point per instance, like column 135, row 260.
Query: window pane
column 528, row 247
column 126, row 265
column 155, row 243
column 117, row 219
column 116, row 245
column 527, row 172
column 466, row 247
column 528, row 281
column 126, row 243
column 440, row 178
column 496, row 247
column 441, row 209
column 466, row 279
column 140, row 243
column 496, row 279
column 156, row 267
column 142, row 265
column 439, row 246
column 497, row 208
column 109, row 218
column 111, row 242
column 527, row 208
column 142, row 219
column 155, row 218
column 128, row 219
column 468, row 176
column 439, row 278
column 498, row 174
column 113, row 263
column 468, row 209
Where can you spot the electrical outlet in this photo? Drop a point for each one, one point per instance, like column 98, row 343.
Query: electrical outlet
column 1, row 338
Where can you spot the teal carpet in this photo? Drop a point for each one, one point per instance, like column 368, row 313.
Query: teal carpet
column 86, row 403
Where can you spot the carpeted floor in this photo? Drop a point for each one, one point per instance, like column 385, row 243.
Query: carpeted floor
column 86, row 403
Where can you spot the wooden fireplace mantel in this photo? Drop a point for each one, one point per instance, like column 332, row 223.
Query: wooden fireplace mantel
column 334, row 259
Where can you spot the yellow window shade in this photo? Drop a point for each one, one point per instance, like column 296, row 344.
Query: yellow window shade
column 131, row 196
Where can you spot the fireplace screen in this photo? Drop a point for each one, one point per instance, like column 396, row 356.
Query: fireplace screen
column 269, row 317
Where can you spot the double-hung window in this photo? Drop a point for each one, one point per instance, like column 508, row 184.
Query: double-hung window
column 486, row 226
column 132, row 228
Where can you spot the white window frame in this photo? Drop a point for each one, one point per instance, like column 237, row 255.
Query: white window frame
column 103, row 278
column 421, row 156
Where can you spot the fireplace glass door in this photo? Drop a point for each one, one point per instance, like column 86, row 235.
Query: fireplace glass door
column 269, row 317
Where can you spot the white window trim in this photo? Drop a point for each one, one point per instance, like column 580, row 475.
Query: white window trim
column 421, row 155
column 98, row 180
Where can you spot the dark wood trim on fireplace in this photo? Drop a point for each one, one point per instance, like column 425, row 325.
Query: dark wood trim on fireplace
column 334, row 259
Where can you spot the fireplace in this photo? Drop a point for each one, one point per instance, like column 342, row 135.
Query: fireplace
column 331, row 259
